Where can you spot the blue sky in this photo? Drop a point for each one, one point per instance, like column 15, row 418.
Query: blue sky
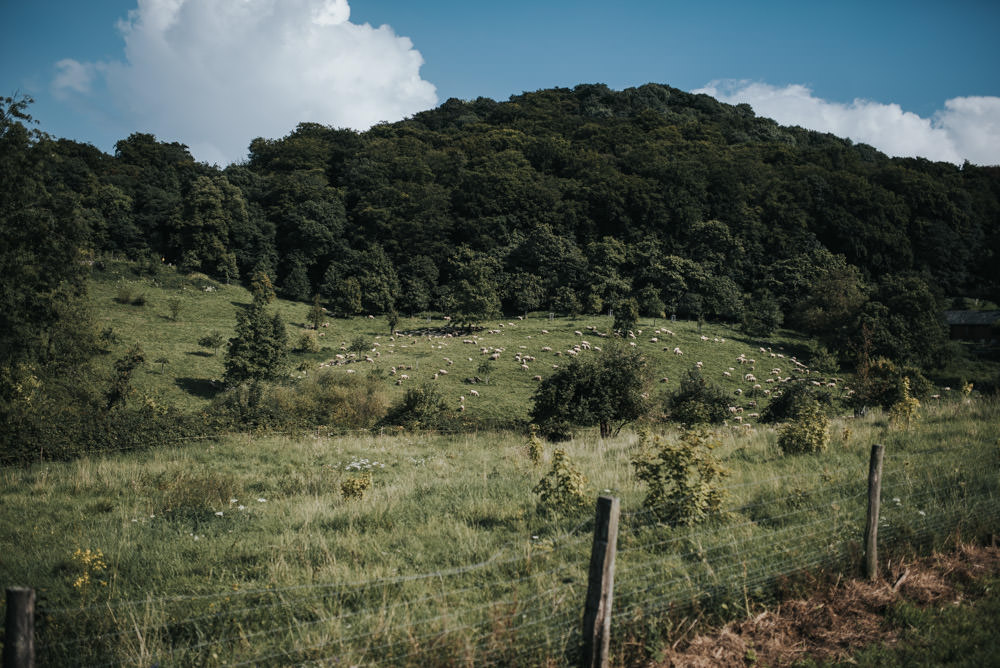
column 911, row 78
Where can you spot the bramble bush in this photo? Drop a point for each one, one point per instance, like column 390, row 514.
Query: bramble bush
column 683, row 477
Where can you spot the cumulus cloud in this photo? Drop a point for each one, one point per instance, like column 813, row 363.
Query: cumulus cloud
column 214, row 75
column 968, row 128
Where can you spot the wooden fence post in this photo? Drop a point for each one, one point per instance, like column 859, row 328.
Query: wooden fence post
column 874, row 498
column 19, row 638
column 600, row 584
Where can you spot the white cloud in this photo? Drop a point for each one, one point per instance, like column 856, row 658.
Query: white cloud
column 968, row 128
column 72, row 75
column 214, row 75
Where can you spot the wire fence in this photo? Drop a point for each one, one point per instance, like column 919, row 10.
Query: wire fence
column 524, row 604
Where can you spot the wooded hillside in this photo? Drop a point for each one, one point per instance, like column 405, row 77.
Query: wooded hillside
column 566, row 200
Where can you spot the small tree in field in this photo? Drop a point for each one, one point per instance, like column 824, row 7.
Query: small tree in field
column 316, row 312
column 212, row 341
column 698, row 402
column 626, row 316
column 121, row 382
column 609, row 391
column 260, row 345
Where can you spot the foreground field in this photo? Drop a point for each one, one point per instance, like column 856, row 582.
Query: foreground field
column 244, row 551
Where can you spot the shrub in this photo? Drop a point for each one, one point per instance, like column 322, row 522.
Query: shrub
column 792, row 398
column 126, row 295
column 355, row 487
column 307, row 343
column 904, row 412
column 822, row 360
column 535, row 448
column 174, row 306
column 683, row 478
column 809, row 430
column 421, row 407
column 697, row 401
column 880, row 383
column 609, row 390
column 326, row 399
column 563, row 489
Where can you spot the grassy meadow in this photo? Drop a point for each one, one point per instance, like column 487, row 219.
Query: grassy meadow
column 245, row 551
column 422, row 348
column 248, row 549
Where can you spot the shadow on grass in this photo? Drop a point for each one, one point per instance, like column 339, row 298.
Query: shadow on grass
column 200, row 387
column 199, row 353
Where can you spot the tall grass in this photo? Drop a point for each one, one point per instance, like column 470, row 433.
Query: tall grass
column 245, row 551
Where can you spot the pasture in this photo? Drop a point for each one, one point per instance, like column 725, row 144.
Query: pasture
column 429, row 350
column 244, row 550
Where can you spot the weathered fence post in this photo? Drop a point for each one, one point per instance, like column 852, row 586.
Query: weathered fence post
column 874, row 497
column 19, row 638
column 601, row 584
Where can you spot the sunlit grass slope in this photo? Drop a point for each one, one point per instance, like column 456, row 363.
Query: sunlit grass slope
column 427, row 350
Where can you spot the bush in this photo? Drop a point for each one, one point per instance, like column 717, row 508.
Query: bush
column 698, row 402
column 127, row 295
column 905, row 411
column 326, row 399
column 881, row 384
column 822, row 360
column 355, row 487
column 563, row 489
column 420, row 408
column 683, row 478
column 307, row 343
column 792, row 398
column 535, row 448
column 809, row 430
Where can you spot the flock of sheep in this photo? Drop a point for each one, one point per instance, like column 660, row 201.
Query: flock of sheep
column 417, row 345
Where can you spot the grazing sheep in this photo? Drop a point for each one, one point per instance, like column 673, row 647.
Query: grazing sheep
column 677, row 351
column 474, row 393
column 536, row 378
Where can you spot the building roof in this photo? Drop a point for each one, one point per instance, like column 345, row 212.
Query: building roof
column 971, row 317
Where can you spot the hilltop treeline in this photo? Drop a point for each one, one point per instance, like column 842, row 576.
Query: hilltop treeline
column 566, row 200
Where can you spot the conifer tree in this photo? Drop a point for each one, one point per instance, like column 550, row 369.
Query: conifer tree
column 259, row 348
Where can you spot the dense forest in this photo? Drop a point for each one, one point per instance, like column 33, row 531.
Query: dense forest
column 648, row 200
